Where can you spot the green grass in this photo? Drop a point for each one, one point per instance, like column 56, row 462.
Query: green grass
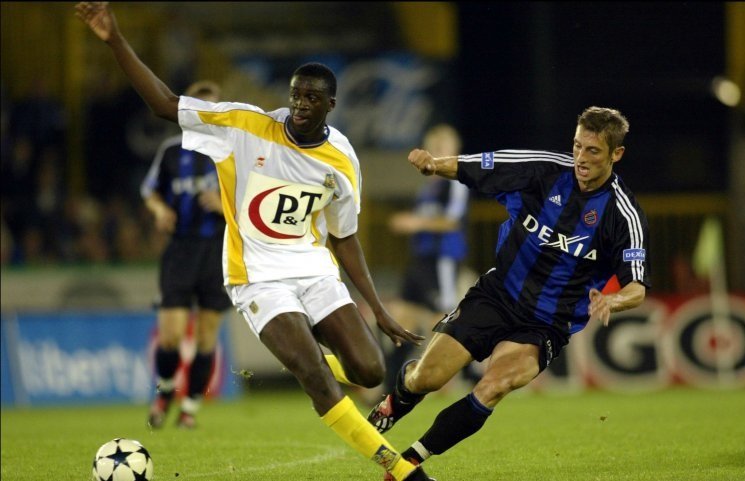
column 675, row 435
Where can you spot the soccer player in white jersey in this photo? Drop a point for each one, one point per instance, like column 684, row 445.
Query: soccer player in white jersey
column 289, row 184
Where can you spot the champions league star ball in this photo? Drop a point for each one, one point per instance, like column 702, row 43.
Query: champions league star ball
column 122, row 460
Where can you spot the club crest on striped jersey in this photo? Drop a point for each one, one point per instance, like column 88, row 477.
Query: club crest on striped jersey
column 590, row 217
column 278, row 211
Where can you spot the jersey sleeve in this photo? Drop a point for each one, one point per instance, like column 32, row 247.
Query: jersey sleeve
column 150, row 182
column 201, row 130
column 153, row 181
column 630, row 244
column 508, row 170
column 457, row 204
column 342, row 212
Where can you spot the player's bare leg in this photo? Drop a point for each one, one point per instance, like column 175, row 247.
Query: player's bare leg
column 289, row 338
column 207, row 329
column 172, row 323
column 171, row 328
column 415, row 318
column 349, row 337
column 443, row 358
column 510, row 367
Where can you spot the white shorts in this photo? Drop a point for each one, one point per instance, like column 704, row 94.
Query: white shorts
column 316, row 297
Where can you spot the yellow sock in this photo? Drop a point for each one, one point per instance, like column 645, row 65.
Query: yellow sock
column 338, row 370
column 347, row 422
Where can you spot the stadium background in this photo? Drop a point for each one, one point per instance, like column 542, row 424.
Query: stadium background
column 79, row 256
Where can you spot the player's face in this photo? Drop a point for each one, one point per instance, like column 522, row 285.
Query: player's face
column 309, row 105
column 593, row 161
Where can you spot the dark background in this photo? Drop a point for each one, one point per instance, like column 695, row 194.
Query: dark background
column 77, row 140
column 523, row 65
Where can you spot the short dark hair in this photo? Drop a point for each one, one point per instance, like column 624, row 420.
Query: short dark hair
column 321, row 71
column 609, row 123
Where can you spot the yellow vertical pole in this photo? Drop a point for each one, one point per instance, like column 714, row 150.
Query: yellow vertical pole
column 417, row 21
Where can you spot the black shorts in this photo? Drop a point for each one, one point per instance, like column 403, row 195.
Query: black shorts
column 191, row 272
column 479, row 323
column 421, row 283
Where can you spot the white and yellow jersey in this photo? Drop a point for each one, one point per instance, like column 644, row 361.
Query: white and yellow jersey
column 280, row 200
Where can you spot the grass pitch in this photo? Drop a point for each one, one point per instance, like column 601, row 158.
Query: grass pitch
column 671, row 435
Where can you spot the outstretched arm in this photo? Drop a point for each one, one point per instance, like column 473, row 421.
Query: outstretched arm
column 158, row 97
column 602, row 305
column 446, row 167
column 349, row 252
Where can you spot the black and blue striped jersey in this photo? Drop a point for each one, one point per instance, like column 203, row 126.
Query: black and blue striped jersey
column 558, row 242
column 442, row 197
column 179, row 176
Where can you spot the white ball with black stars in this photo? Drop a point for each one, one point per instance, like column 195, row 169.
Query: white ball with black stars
column 122, row 460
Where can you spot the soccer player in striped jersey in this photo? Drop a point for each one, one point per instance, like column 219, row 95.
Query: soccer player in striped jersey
column 289, row 184
column 182, row 193
column 573, row 225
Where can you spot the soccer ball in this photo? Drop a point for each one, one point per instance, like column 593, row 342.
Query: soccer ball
column 122, row 460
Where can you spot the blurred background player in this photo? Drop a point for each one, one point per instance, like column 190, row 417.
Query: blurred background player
column 181, row 190
column 437, row 250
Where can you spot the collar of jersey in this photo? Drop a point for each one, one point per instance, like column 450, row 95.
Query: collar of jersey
column 606, row 185
column 305, row 145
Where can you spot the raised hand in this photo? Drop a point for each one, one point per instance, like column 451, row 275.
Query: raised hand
column 423, row 161
column 599, row 307
column 99, row 18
